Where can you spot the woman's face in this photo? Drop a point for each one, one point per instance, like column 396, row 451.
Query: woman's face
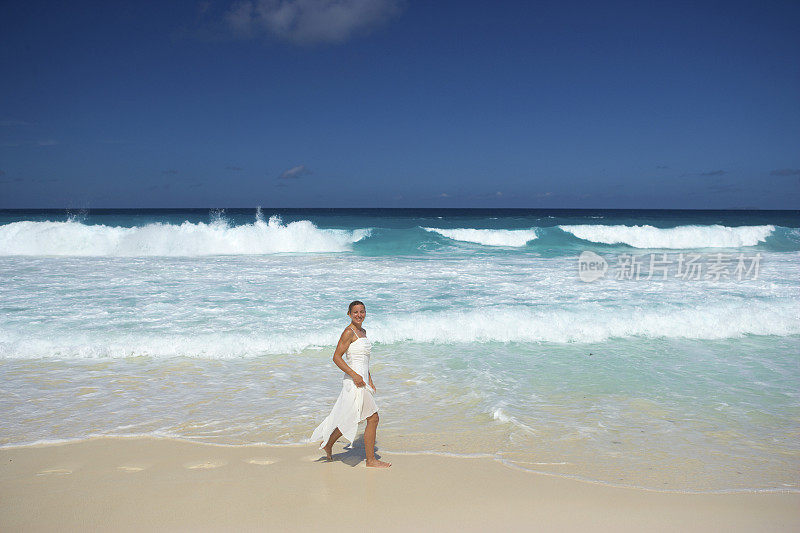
column 358, row 313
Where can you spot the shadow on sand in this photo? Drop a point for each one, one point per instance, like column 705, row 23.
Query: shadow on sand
column 352, row 455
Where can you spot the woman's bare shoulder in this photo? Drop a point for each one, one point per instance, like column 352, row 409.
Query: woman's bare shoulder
column 347, row 334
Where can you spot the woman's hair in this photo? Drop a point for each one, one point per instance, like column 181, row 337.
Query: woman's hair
column 353, row 304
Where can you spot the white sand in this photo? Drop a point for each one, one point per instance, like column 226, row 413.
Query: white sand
column 145, row 484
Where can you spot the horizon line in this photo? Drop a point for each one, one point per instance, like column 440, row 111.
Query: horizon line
column 403, row 208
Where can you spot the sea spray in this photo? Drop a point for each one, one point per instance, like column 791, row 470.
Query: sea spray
column 73, row 238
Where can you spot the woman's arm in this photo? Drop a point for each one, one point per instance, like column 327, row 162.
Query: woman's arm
column 344, row 343
column 371, row 384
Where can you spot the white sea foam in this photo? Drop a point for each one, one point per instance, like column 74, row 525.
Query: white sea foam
column 673, row 238
column 72, row 238
column 218, row 345
column 594, row 323
column 501, row 416
column 488, row 237
column 589, row 325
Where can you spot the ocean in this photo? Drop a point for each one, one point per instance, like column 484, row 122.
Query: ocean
column 642, row 348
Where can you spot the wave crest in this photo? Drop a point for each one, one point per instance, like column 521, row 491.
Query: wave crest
column 488, row 237
column 592, row 324
column 73, row 238
column 680, row 237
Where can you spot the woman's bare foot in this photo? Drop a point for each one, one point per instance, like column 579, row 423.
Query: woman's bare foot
column 375, row 463
column 329, row 451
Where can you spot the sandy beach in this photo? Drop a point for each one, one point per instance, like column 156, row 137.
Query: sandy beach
column 557, row 241
column 136, row 484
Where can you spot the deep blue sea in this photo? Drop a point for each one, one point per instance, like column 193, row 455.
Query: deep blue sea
column 645, row 348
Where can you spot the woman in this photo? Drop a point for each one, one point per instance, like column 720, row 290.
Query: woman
column 355, row 402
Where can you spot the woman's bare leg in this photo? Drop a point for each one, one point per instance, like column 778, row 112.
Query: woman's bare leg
column 369, row 442
column 329, row 447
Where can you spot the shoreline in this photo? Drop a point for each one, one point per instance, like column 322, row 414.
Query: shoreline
column 128, row 483
column 358, row 449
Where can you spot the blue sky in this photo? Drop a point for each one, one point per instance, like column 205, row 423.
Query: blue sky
column 383, row 103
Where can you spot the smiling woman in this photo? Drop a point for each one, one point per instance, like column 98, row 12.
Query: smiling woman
column 355, row 402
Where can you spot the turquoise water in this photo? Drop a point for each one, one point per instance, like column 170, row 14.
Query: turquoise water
column 219, row 326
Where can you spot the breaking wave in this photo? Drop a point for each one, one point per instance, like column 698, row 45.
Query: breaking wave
column 488, row 237
column 680, row 237
column 591, row 324
column 73, row 238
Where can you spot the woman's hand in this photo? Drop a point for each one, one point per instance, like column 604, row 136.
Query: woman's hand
column 359, row 381
column 371, row 384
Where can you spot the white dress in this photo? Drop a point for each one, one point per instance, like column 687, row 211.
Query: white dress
column 354, row 404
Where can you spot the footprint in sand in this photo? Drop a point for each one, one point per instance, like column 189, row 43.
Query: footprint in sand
column 204, row 465
column 54, row 472
column 131, row 468
column 262, row 461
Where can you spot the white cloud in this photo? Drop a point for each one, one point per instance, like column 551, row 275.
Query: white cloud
column 294, row 172
column 785, row 172
column 240, row 18
column 309, row 21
